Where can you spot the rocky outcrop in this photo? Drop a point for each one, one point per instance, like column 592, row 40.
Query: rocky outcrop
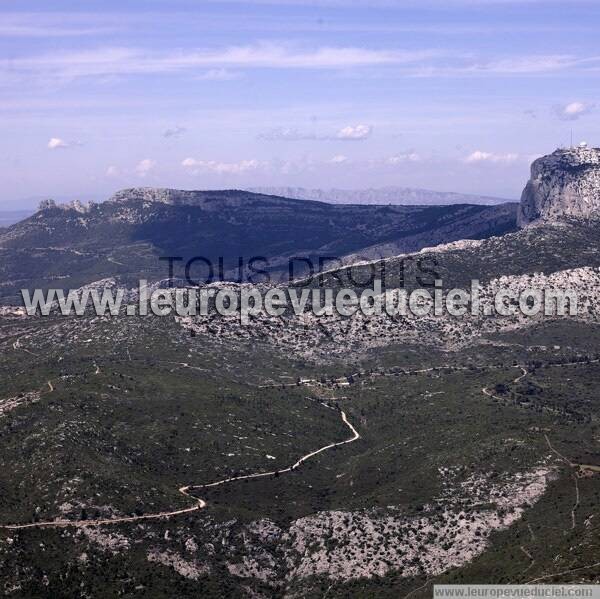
column 46, row 205
column 564, row 183
column 75, row 205
column 153, row 194
column 208, row 200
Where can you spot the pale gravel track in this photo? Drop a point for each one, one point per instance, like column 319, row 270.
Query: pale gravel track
column 200, row 503
column 596, row 565
column 355, row 436
column 487, row 392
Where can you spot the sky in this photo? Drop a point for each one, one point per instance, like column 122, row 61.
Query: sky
column 453, row 95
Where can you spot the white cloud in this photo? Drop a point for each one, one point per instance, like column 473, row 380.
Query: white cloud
column 529, row 64
column 339, row 159
column 573, row 110
column 218, row 75
column 123, row 61
column 357, row 132
column 480, row 157
column 221, row 168
column 226, row 63
column 215, row 64
column 402, row 158
column 144, row 167
column 56, row 143
column 512, row 65
column 112, row 171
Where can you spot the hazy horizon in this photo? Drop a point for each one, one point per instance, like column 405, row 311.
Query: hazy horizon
column 31, row 203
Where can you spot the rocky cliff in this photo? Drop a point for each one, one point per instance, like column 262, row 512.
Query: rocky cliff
column 564, row 183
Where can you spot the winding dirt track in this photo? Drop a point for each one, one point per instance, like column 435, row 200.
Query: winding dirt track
column 200, row 503
column 355, row 436
column 489, row 393
column 551, row 447
column 186, row 491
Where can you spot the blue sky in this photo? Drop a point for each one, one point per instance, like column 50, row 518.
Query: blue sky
column 454, row 95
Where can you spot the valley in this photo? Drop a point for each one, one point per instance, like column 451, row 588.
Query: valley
column 434, row 401
column 298, row 455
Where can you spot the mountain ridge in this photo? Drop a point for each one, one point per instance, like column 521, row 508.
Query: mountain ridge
column 129, row 234
column 408, row 196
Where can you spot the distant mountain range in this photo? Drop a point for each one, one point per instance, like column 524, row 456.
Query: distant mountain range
column 14, row 211
column 406, row 196
column 125, row 237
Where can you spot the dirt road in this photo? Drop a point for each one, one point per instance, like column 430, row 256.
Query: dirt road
column 186, row 491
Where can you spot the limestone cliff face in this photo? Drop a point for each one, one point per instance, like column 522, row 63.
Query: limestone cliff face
column 564, row 183
column 208, row 200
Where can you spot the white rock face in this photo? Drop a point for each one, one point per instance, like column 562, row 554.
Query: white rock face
column 346, row 545
column 564, row 183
